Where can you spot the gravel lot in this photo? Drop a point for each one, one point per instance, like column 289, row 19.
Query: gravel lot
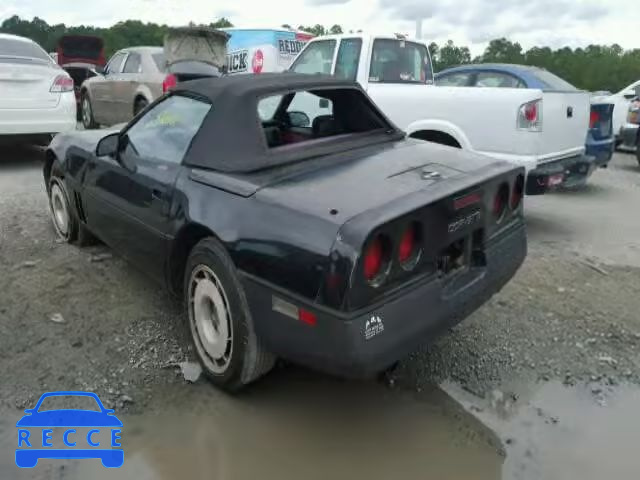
column 83, row 319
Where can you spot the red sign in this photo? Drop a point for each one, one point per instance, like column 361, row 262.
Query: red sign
column 258, row 61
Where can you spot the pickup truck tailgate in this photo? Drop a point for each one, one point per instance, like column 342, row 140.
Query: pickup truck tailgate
column 565, row 121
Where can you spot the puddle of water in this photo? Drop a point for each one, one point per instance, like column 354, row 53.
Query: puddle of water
column 553, row 431
column 293, row 426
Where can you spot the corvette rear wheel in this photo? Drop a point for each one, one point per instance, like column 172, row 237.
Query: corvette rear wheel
column 220, row 324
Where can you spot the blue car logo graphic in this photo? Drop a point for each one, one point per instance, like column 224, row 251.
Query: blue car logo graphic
column 34, row 444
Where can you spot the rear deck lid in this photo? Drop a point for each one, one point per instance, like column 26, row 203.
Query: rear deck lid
column 81, row 49
column 24, row 86
column 196, row 45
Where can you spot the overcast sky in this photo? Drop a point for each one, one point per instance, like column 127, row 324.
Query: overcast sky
column 471, row 22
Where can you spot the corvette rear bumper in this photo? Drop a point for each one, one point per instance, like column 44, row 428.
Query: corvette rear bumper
column 366, row 342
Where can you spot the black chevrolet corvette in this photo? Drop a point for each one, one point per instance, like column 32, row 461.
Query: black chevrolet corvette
column 295, row 219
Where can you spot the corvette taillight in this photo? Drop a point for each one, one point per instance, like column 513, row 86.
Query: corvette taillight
column 169, row 82
column 409, row 247
column 61, row 84
column 530, row 116
column 376, row 260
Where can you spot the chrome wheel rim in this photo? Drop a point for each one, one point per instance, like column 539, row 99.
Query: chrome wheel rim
column 210, row 319
column 86, row 111
column 59, row 210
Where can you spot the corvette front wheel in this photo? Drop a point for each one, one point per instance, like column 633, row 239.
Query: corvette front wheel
column 65, row 221
column 220, row 323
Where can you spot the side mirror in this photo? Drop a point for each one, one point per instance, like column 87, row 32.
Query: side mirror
column 29, row 410
column 108, row 146
column 111, row 146
column 100, row 70
column 324, row 103
column 299, row 119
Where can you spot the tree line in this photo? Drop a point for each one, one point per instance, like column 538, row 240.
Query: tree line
column 596, row 67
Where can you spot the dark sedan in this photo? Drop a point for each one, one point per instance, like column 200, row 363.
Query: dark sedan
column 326, row 239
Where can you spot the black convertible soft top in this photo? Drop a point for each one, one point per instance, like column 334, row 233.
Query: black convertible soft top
column 232, row 139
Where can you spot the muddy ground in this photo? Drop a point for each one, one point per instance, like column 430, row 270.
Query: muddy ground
column 551, row 361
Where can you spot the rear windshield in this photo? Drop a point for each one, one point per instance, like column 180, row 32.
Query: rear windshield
column 20, row 49
column 553, row 82
column 192, row 67
column 399, row 61
column 302, row 118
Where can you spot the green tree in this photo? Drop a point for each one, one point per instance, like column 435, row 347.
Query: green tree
column 449, row 55
column 502, row 50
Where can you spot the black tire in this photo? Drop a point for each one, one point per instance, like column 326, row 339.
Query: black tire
column 75, row 231
column 247, row 360
column 141, row 104
column 638, row 149
column 86, row 106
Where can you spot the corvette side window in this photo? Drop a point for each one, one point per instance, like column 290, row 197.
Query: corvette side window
column 165, row 132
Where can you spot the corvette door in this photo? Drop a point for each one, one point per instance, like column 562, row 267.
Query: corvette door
column 129, row 198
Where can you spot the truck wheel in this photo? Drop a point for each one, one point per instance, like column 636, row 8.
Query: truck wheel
column 87, row 112
column 219, row 319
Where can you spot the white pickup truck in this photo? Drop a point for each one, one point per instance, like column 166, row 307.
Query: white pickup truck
column 544, row 132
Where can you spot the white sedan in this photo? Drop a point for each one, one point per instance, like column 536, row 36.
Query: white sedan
column 36, row 95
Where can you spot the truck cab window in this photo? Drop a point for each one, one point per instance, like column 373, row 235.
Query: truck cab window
column 400, row 61
column 348, row 58
column 316, row 58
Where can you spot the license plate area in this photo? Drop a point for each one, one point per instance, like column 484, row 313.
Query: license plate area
column 452, row 258
column 461, row 254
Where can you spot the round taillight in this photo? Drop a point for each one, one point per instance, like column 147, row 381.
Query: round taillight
column 376, row 260
column 500, row 202
column 517, row 193
column 409, row 247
